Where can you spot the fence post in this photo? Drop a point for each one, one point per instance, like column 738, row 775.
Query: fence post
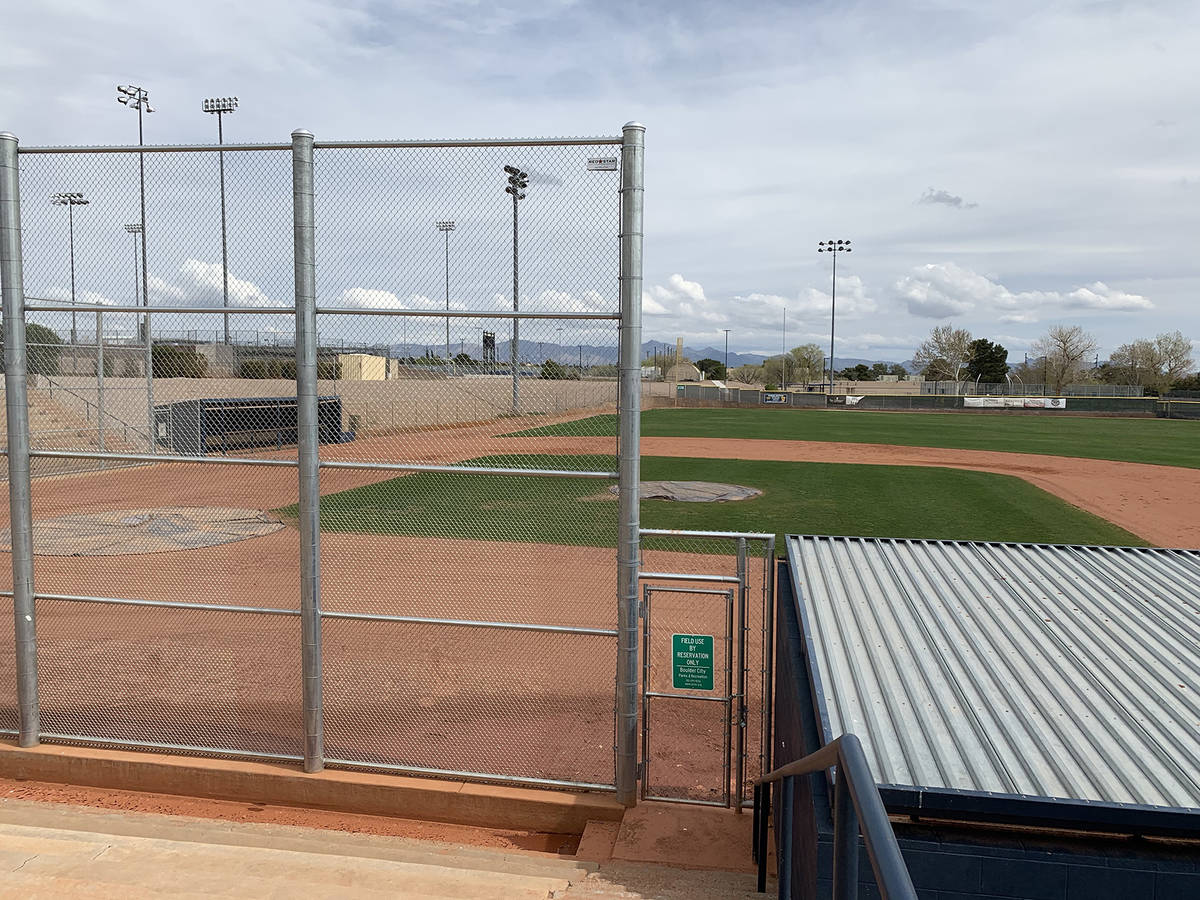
column 629, row 459
column 100, row 379
column 12, row 286
column 304, row 241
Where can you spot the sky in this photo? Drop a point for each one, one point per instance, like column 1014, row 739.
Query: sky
column 1002, row 166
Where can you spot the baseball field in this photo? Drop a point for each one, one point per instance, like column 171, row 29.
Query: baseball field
column 524, row 549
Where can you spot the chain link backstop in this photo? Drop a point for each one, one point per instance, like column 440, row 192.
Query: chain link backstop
column 276, row 508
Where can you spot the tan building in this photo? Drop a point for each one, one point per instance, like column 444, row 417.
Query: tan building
column 363, row 367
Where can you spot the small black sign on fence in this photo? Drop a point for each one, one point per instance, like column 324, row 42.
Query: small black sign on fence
column 774, row 397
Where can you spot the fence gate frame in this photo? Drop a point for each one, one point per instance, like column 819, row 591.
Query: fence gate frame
column 733, row 701
column 741, row 584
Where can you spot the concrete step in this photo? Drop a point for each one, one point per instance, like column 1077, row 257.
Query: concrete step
column 617, row 880
column 44, row 862
column 100, row 822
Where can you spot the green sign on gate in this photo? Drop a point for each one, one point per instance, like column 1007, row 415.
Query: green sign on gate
column 692, row 662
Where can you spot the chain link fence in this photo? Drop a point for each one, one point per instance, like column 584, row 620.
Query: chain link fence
column 448, row 604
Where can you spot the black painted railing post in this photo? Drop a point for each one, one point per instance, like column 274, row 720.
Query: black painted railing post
column 764, row 818
column 784, row 833
column 845, row 840
column 754, row 828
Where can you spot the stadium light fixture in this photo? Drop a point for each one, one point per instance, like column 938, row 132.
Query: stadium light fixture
column 219, row 106
column 70, row 199
column 834, row 247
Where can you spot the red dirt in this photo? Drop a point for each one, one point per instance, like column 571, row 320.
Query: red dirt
column 262, row 813
column 448, row 697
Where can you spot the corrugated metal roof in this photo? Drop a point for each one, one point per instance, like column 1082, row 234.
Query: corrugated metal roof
column 1047, row 671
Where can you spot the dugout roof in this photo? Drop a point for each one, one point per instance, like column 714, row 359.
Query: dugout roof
column 1010, row 677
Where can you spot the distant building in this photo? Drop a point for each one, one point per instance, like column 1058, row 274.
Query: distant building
column 684, row 372
column 363, row 367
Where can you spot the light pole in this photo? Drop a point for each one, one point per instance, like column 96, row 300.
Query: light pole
column 784, row 359
column 726, row 330
column 833, row 247
column 70, row 200
column 517, row 182
column 136, row 229
column 446, row 226
column 133, row 97
column 219, row 106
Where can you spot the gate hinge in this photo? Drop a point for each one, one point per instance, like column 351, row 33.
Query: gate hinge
column 641, row 771
column 641, row 609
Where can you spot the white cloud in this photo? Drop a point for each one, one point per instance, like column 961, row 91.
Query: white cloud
column 683, row 300
column 203, row 286
column 852, row 301
column 943, row 290
column 369, row 298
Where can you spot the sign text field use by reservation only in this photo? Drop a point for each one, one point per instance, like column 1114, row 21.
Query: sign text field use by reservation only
column 692, row 662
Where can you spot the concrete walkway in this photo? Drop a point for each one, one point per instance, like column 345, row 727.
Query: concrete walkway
column 50, row 850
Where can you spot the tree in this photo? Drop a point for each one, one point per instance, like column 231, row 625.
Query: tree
column 860, row 372
column 1065, row 352
column 878, row 370
column 711, row 368
column 1155, row 364
column 42, row 348
column 747, row 374
column 943, row 356
column 557, row 371
column 898, row 370
column 809, row 363
column 988, row 362
column 778, row 369
column 1191, row 383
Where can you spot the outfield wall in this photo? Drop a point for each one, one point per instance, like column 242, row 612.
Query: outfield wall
column 698, row 395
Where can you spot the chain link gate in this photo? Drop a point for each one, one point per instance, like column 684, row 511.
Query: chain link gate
column 710, row 564
column 435, row 593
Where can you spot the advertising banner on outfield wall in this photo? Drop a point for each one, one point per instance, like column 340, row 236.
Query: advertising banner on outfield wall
column 1014, row 402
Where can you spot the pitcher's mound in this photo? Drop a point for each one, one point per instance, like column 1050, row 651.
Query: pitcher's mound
column 130, row 531
column 694, row 491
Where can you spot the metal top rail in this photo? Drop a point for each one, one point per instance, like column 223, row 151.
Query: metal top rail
column 332, row 145
column 856, row 804
column 323, row 310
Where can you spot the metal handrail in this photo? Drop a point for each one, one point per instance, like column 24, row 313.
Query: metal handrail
column 856, row 805
column 53, row 386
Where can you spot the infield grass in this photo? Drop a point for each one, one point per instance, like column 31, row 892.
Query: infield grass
column 1167, row 442
column 798, row 497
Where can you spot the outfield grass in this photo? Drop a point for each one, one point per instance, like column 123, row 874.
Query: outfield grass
column 820, row 498
column 1168, row 442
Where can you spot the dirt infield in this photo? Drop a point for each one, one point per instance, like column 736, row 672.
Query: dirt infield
column 427, row 696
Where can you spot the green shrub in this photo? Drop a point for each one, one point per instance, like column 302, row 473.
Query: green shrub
column 252, row 368
column 177, row 362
